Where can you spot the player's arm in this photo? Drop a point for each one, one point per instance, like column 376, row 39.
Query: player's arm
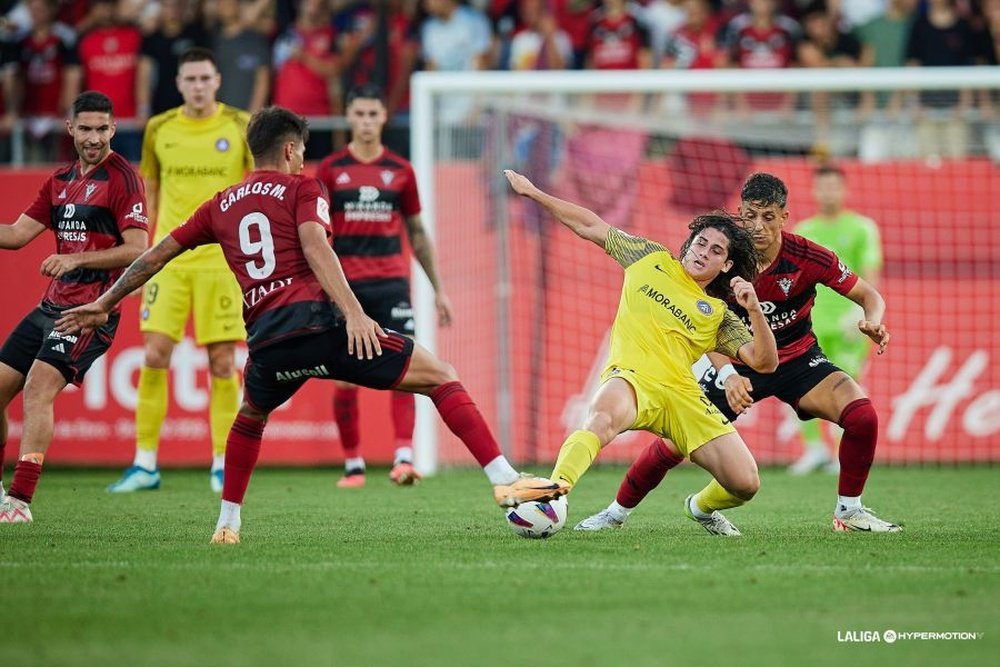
column 362, row 331
column 761, row 353
column 585, row 223
column 873, row 304
column 152, row 199
column 134, row 242
column 148, row 264
column 424, row 252
column 21, row 233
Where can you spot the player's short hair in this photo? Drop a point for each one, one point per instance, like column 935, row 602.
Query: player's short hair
column 365, row 91
column 197, row 54
column 828, row 170
column 92, row 100
column 742, row 252
column 765, row 189
column 271, row 127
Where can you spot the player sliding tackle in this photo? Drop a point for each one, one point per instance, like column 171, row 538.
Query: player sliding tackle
column 791, row 267
column 670, row 313
column 302, row 318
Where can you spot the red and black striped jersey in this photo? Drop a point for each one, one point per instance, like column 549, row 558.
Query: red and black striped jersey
column 256, row 222
column 370, row 202
column 787, row 290
column 89, row 212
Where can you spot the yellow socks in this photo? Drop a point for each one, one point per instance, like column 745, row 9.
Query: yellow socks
column 575, row 456
column 150, row 407
column 222, row 408
column 714, row 497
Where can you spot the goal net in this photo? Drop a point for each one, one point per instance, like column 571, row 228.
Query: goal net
column 649, row 150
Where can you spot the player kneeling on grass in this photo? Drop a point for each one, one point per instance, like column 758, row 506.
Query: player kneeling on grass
column 671, row 312
column 302, row 318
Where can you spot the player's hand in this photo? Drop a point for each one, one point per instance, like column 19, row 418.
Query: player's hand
column 877, row 332
column 443, row 305
column 362, row 337
column 56, row 266
column 738, row 390
column 519, row 183
column 744, row 292
column 87, row 317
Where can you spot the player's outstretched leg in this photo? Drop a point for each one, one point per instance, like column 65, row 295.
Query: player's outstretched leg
column 432, row 377
column 242, row 451
column 644, row 475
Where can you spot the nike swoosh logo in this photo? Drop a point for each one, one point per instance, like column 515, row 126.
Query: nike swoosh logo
column 657, row 267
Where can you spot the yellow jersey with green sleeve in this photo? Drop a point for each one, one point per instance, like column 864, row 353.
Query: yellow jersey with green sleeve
column 191, row 159
column 665, row 320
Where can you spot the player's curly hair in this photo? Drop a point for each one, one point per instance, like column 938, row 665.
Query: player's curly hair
column 765, row 189
column 742, row 252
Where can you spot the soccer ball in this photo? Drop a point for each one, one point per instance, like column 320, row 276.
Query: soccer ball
column 538, row 520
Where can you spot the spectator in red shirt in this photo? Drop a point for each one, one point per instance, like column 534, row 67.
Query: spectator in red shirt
column 574, row 16
column 695, row 46
column 47, row 76
column 305, row 64
column 109, row 56
column 617, row 40
column 762, row 39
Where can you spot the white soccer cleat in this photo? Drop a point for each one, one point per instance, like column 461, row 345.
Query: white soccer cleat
column 714, row 523
column 528, row 488
column 13, row 510
column 863, row 520
column 215, row 479
column 603, row 520
column 136, row 479
column 811, row 460
column 226, row 535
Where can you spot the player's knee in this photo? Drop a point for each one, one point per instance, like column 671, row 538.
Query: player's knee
column 443, row 373
column 745, row 485
column 859, row 418
column 157, row 355
column 602, row 424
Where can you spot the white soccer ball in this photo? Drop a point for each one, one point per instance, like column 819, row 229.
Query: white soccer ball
column 538, row 520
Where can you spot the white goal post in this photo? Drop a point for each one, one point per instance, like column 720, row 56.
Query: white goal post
column 514, row 88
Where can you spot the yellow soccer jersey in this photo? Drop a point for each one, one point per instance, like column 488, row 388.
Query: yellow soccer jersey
column 665, row 321
column 192, row 159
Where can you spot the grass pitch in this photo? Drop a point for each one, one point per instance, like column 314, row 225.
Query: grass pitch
column 432, row 576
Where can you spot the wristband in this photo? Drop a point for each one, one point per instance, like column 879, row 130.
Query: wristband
column 723, row 374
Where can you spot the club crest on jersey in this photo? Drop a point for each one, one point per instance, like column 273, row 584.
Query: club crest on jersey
column 704, row 306
column 785, row 284
column 222, row 145
column 387, row 177
column 89, row 191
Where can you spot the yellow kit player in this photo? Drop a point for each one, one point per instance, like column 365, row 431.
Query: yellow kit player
column 671, row 312
column 188, row 154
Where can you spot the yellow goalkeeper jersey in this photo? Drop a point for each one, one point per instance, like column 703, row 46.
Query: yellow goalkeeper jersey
column 192, row 159
column 665, row 320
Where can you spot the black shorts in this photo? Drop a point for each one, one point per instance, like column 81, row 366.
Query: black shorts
column 275, row 372
column 72, row 354
column 793, row 380
column 387, row 302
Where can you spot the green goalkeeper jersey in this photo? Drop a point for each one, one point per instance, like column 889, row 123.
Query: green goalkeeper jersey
column 856, row 241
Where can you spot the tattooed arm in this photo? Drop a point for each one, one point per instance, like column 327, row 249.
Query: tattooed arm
column 148, row 264
column 424, row 253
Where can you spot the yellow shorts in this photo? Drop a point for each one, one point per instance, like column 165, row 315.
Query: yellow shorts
column 681, row 414
column 213, row 296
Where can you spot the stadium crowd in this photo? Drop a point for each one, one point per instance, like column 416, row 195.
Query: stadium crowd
column 303, row 54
